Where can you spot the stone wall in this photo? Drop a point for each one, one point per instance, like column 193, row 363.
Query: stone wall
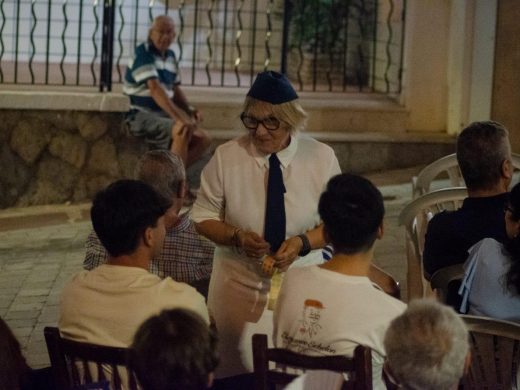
column 50, row 157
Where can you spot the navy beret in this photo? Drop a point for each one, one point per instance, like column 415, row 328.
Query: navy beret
column 272, row 87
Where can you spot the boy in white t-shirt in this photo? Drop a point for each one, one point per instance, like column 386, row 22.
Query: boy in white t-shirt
column 331, row 308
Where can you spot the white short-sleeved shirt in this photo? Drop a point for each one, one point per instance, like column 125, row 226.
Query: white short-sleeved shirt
column 107, row 305
column 322, row 312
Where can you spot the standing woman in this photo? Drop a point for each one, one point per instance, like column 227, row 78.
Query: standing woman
column 259, row 196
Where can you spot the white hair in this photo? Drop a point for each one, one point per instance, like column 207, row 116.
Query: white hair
column 427, row 346
column 162, row 170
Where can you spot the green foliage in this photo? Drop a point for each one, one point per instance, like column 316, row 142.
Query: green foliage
column 322, row 25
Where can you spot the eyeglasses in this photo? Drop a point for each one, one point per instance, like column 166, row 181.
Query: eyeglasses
column 251, row 123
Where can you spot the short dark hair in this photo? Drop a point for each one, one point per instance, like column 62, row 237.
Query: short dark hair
column 482, row 147
column 352, row 210
column 122, row 212
column 174, row 350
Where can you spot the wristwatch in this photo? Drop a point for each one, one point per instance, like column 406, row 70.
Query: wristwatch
column 306, row 248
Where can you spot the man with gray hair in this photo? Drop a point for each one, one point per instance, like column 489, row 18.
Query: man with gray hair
column 484, row 156
column 186, row 256
column 427, row 347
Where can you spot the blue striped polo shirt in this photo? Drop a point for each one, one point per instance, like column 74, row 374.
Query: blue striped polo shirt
column 148, row 63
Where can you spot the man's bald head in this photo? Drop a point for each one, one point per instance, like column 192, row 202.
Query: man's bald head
column 163, row 20
column 162, row 32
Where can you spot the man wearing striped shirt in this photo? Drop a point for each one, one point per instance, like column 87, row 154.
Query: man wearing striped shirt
column 152, row 81
column 186, row 256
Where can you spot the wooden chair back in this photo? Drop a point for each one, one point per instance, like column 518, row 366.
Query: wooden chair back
column 447, row 166
column 415, row 217
column 495, row 353
column 75, row 364
column 359, row 367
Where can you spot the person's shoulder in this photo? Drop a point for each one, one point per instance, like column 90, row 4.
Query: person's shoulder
column 310, row 276
column 487, row 250
column 444, row 219
column 168, row 285
column 487, row 244
column 306, row 142
column 183, row 295
column 142, row 48
column 232, row 147
column 298, row 272
column 384, row 304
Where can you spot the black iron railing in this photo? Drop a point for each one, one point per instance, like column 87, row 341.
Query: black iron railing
column 323, row 45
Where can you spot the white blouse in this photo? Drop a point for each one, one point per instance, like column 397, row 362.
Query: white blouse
column 233, row 184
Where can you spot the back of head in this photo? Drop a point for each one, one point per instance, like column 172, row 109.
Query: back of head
column 482, row 147
column 122, row 212
column 163, row 171
column 13, row 368
column 352, row 211
column 174, row 350
column 426, row 346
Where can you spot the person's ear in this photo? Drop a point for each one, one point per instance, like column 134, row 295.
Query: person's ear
column 381, row 230
column 148, row 236
column 181, row 191
column 507, row 169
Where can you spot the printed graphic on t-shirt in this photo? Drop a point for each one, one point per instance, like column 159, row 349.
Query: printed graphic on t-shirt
column 309, row 329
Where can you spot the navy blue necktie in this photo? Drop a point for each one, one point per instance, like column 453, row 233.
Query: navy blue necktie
column 274, row 231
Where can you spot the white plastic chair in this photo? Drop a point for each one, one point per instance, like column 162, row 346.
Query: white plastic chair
column 415, row 217
column 421, row 184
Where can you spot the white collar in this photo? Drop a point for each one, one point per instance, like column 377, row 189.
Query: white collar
column 285, row 155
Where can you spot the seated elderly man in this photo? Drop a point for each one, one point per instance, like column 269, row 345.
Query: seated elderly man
column 175, row 350
column 108, row 304
column 427, row 347
column 484, row 156
column 152, row 81
column 186, row 256
column 331, row 308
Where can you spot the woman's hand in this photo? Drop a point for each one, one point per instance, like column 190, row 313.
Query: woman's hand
column 252, row 244
column 288, row 252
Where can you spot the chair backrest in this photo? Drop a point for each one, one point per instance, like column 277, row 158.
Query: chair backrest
column 421, row 184
column 359, row 367
column 447, row 164
column 75, row 364
column 446, row 282
column 495, row 349
column 415, row 217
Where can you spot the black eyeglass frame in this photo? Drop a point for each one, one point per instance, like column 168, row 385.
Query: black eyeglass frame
column 244, row 117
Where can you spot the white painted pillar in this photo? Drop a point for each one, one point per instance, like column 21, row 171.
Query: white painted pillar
column 470, row 62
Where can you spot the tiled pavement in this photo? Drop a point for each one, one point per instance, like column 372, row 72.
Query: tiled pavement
column 42, row 247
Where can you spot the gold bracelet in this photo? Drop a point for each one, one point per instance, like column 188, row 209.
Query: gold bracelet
column 235, row 239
